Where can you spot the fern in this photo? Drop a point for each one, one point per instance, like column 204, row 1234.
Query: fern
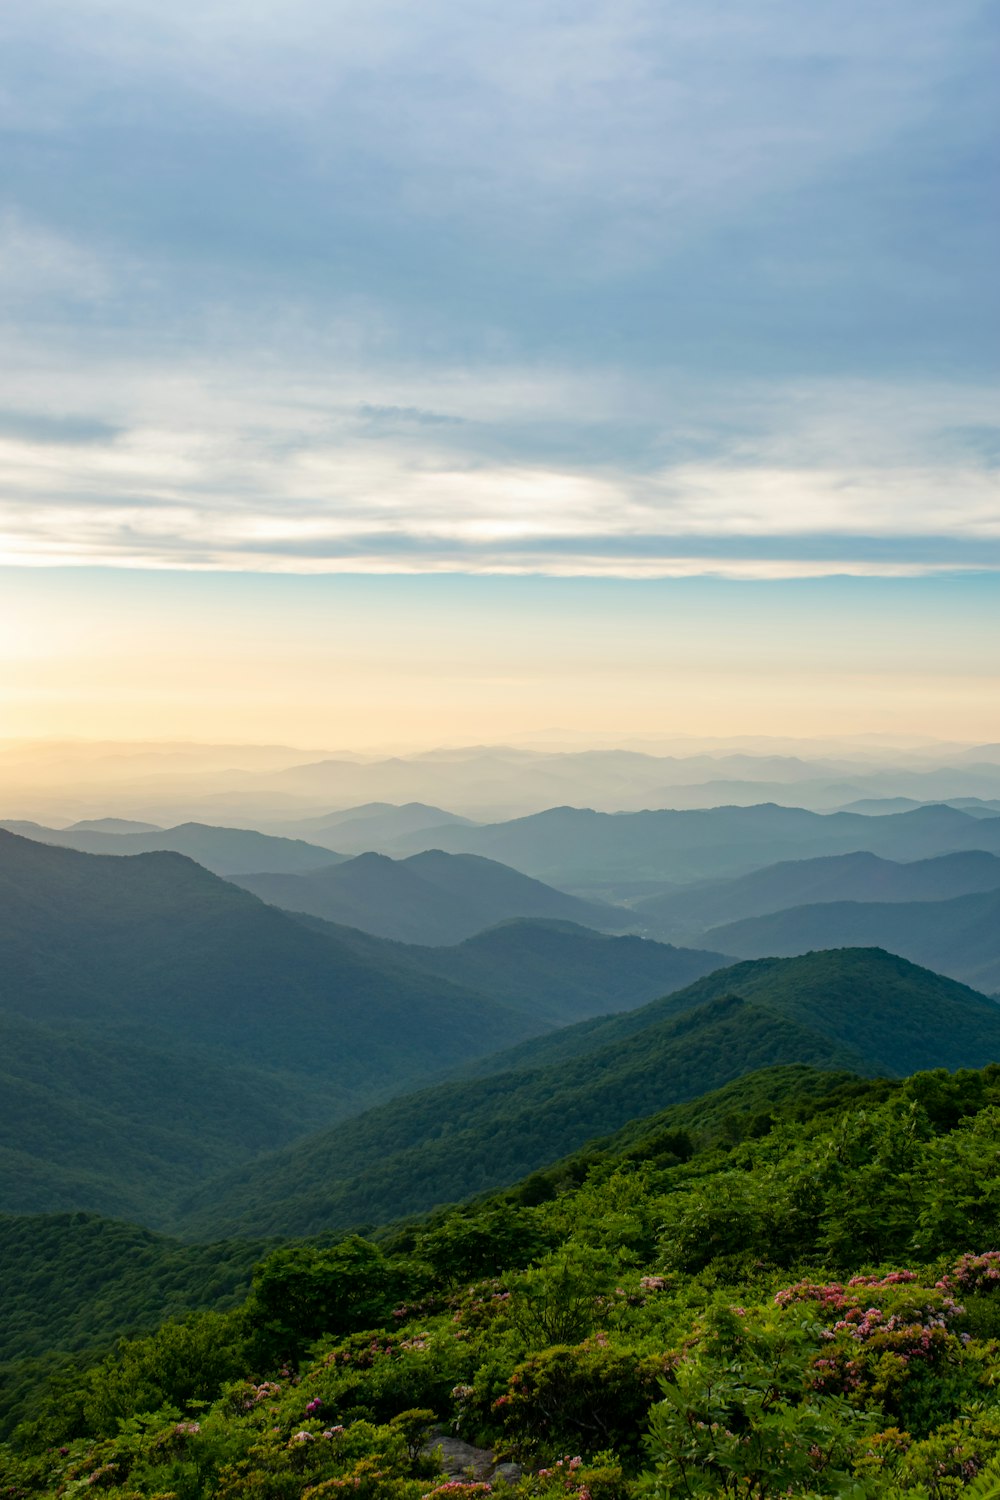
column 986, row 1485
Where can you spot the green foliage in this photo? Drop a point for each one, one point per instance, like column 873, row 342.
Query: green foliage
column 588, row 1397
column 303, row 1292
column 737, row 1420
column 777, row 1307
column 72, row 1280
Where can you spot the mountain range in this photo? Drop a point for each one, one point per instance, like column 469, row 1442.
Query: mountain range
column 576, row 847
column 224, row 851
column 960, row 937
column 557, row 971
column 689, row 911
column 429, row 898
column 864, row 1011
column 159, row 1024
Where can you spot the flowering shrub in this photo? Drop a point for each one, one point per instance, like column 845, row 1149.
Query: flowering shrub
column 609, row 1363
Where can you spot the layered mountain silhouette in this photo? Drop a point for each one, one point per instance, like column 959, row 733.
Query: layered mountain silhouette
column 430, row 898
column 158, row 1024
column 374, row 826
column 861, row 1010
column 557, row 971
column 865, row 877
column 960, row 937
column 144, row 1001
column 570, row 846
column 224, row 851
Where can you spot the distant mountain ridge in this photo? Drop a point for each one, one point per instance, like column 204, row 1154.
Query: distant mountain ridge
column 960, row 937
column 374, row 826
column 570, row 845
column 429, row 898
column 224, row 851
column 558, row 972
column 690, row 912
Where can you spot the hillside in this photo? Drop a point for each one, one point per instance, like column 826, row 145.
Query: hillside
column 430, row 898
column 706, row 1304
column 565, row 973
column 164, row 1117
column 224, row 851
column 840, row 877
column 459, row 1139
column 900, row 1016
column 866, row 1011
column 75, row 1280
column 570, row 846
column 559, row 973
column 960, row 937
column 194, row 1004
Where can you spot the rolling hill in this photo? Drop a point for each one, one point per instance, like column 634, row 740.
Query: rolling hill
column 430, row 898
column 863, row 876
column 960, row 937
column 862, row 1010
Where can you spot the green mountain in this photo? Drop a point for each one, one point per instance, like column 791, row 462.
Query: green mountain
column 960, row 937
column 90, row 1117
column 570, row 846
column 459, row 1139
column 900, row 1016
column 689, row 912
column 75, row 1280
column 157, row 1019
column 564, row 973
column 865, row 1011
column 431, row 898
column 224, row 851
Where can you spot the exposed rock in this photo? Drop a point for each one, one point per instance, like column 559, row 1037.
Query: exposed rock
column 462, row 1461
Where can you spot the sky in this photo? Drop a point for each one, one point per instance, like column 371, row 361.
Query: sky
column 444, row 367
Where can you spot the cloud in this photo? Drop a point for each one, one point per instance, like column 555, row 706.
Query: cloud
column 604, row 287
column 45, row 428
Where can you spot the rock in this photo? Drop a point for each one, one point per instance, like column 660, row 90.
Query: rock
column 506, row 1474
column 462, row 1461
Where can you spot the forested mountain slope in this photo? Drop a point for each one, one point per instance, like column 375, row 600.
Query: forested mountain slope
column 430, row 898
column 900, row 1016
column 74, row 1280
column 458, row 1139
column 145, row 1002
column 866, row 1011
column 557, row 971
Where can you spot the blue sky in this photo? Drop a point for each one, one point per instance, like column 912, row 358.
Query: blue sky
column 630, row 290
